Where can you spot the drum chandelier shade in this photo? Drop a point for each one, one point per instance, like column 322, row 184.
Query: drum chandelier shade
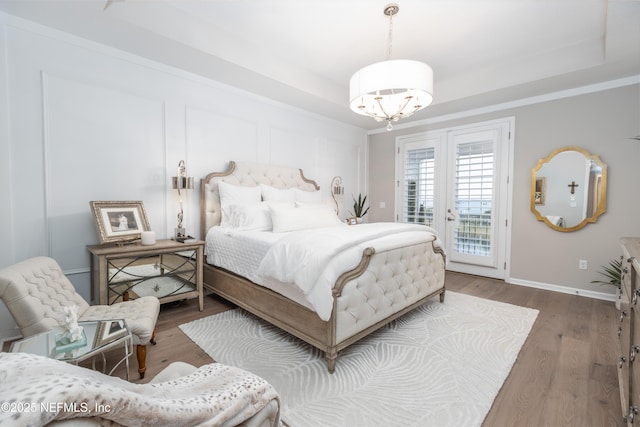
column 392, row 89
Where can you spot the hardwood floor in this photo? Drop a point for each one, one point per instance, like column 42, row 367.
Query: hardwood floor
column 565, row 374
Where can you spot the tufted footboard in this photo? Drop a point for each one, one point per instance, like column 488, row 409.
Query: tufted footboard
column 384, row 286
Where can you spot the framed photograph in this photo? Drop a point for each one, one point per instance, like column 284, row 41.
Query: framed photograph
column 108, row 331
column 352, row 221
column 119, row 221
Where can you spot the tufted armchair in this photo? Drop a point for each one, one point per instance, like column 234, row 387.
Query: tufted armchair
column 36, row 290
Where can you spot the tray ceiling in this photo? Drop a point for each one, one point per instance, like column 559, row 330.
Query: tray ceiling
column 303, row 52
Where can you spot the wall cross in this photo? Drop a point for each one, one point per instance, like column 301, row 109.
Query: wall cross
column 573, row 186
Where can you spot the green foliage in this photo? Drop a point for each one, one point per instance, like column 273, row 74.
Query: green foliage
column 358, row 206
column 613, row 273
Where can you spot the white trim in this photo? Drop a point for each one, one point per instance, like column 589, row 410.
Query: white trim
column 510, row 174
column 46, row 153
column 567, row 93
column 8, row 252
column 563, row 289
column 74, row 271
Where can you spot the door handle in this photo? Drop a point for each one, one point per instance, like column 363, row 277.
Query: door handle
column 450, row 215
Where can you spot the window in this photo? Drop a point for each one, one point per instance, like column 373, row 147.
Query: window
column 419, row 181
column 474, row 197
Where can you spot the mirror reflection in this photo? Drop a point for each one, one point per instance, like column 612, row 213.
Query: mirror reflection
column 569, row 189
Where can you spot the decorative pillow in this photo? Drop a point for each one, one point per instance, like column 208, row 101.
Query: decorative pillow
column 271, row 194
column 231, row 195
column 302, row 218
column 253, row 217
column 317, row 205
column 307, row 196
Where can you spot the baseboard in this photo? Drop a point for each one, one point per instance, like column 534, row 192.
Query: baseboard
column 563, row 289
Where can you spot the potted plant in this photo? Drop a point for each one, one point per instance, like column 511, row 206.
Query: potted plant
column 613, row 275
column 359, row 209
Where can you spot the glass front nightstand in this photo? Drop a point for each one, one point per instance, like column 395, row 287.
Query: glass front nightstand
column 169, row 270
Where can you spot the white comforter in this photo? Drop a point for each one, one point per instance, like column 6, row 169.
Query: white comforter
column 314, row 259
column 311, row 259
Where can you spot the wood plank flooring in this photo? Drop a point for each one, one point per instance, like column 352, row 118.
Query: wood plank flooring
column 565, row 375
column 566, row 372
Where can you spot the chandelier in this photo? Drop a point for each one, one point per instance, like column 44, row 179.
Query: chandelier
column 392, row 89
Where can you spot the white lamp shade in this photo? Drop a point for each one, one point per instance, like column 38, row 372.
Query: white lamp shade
column 391, row 89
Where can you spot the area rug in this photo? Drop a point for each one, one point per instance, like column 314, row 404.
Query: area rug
column 440, row 365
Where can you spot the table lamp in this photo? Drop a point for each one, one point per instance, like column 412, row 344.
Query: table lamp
column 336, row 190
column 181, row 182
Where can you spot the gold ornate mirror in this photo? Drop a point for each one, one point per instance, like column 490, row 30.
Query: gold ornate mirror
column 569, row 189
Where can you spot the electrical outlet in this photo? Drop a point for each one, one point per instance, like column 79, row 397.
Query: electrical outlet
column 582, row 264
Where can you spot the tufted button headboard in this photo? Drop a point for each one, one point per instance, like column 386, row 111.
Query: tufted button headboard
column 250, row 175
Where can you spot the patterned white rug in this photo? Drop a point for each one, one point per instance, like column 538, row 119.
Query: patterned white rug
column 439, row 365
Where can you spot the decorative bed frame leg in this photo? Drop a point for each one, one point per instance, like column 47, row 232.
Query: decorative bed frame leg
column 331, row 357
column 442, row 296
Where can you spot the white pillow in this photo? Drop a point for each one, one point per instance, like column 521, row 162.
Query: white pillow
column 319, row 205
column 231, row 195
column 253, row 217
column 302, row 218
column 271, row 194
column 307, row 196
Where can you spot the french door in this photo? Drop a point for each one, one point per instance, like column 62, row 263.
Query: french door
column 457, row 181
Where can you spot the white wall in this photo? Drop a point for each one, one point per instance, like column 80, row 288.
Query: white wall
column 82, row 122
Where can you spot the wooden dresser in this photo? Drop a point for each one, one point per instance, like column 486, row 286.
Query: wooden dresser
column 629, row 331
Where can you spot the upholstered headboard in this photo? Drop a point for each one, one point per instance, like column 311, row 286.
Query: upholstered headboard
column 250, row 175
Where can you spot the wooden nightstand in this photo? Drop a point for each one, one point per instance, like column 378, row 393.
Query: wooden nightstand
column 169, row 270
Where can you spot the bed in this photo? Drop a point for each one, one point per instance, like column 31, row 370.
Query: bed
column 352, row 290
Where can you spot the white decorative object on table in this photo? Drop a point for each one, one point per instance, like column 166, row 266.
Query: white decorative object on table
column 72, row 330
column 148, row 238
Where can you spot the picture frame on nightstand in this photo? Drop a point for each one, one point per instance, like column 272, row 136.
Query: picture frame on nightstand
column 119, row 221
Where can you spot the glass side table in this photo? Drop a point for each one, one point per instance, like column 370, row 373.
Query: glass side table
column 101, row 336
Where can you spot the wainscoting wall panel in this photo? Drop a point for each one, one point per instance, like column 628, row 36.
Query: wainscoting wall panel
column 217, row 137
column 87, row 157
column 86, row 122
column 338, row 155
column 286, row 144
